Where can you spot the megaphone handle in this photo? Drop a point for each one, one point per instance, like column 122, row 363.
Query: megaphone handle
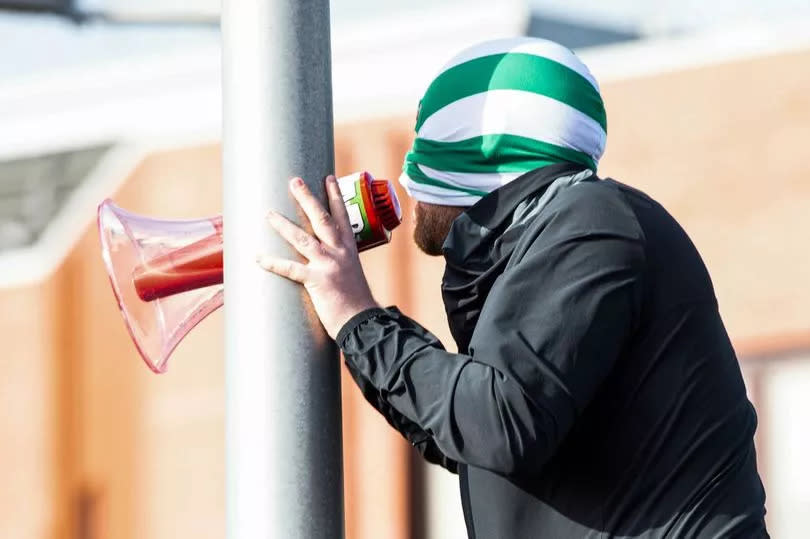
column 194, row 266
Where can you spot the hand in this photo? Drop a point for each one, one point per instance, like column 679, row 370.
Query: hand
column 332, row 276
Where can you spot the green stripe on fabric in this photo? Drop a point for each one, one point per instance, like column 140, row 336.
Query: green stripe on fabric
column 513, row 71
column 493, row 153
column 416, row 175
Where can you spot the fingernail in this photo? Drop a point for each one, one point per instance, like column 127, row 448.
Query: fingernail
column 271, row 214
column 297, row 182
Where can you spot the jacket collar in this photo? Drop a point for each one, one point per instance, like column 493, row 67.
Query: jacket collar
column 476, row 249
column 477, row 228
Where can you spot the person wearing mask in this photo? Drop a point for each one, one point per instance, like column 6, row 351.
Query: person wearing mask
column 595, row 392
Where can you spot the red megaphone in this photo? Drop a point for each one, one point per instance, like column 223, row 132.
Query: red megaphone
column 167, row 275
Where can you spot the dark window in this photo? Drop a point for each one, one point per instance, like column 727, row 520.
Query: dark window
column 33, row 189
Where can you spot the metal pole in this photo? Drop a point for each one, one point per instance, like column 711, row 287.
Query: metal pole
column 284, row 475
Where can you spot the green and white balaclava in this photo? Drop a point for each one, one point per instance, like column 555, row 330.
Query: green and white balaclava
column 498, row 110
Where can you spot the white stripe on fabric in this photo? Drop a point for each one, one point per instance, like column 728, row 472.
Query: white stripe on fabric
column 516, row 112
column 481, row 181
column 526, row 45
column 436, row 195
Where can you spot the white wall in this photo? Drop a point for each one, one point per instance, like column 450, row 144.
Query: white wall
column 785, row 419
column 445, row 518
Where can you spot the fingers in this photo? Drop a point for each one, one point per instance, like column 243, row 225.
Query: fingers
column 322, row 223
column 338, row 209
column 289, row 269
column 299, row 239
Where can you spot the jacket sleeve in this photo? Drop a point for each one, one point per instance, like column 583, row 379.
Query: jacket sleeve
column 412, row 432
column 551, row 329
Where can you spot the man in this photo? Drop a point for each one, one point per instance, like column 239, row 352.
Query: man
column 595, row 392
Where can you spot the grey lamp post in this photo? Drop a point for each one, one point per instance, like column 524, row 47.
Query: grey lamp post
column 283, row 423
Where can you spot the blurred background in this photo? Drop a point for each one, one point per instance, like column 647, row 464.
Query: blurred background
column 709, row 112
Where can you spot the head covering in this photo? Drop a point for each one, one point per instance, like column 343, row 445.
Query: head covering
column 498, row 110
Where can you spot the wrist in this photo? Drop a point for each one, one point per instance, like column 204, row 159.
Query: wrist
column 355, row 321
column 349, row 313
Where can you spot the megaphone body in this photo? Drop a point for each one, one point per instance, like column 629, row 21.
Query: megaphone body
column 168, row 275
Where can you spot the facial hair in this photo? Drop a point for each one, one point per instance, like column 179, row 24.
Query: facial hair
column 433, row 223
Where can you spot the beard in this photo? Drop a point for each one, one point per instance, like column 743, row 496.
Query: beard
column 433, row 223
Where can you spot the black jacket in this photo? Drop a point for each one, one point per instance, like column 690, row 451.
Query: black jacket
column 595, row 392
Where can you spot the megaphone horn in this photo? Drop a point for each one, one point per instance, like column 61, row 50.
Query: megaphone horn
column 167, row 275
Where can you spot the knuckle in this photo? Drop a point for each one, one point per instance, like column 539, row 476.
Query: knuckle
column 323, row 219
column 341, row 252
column 303, row 239
column 296, row 274
column 330, row 265
column 348, row 251
column 323, row 251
